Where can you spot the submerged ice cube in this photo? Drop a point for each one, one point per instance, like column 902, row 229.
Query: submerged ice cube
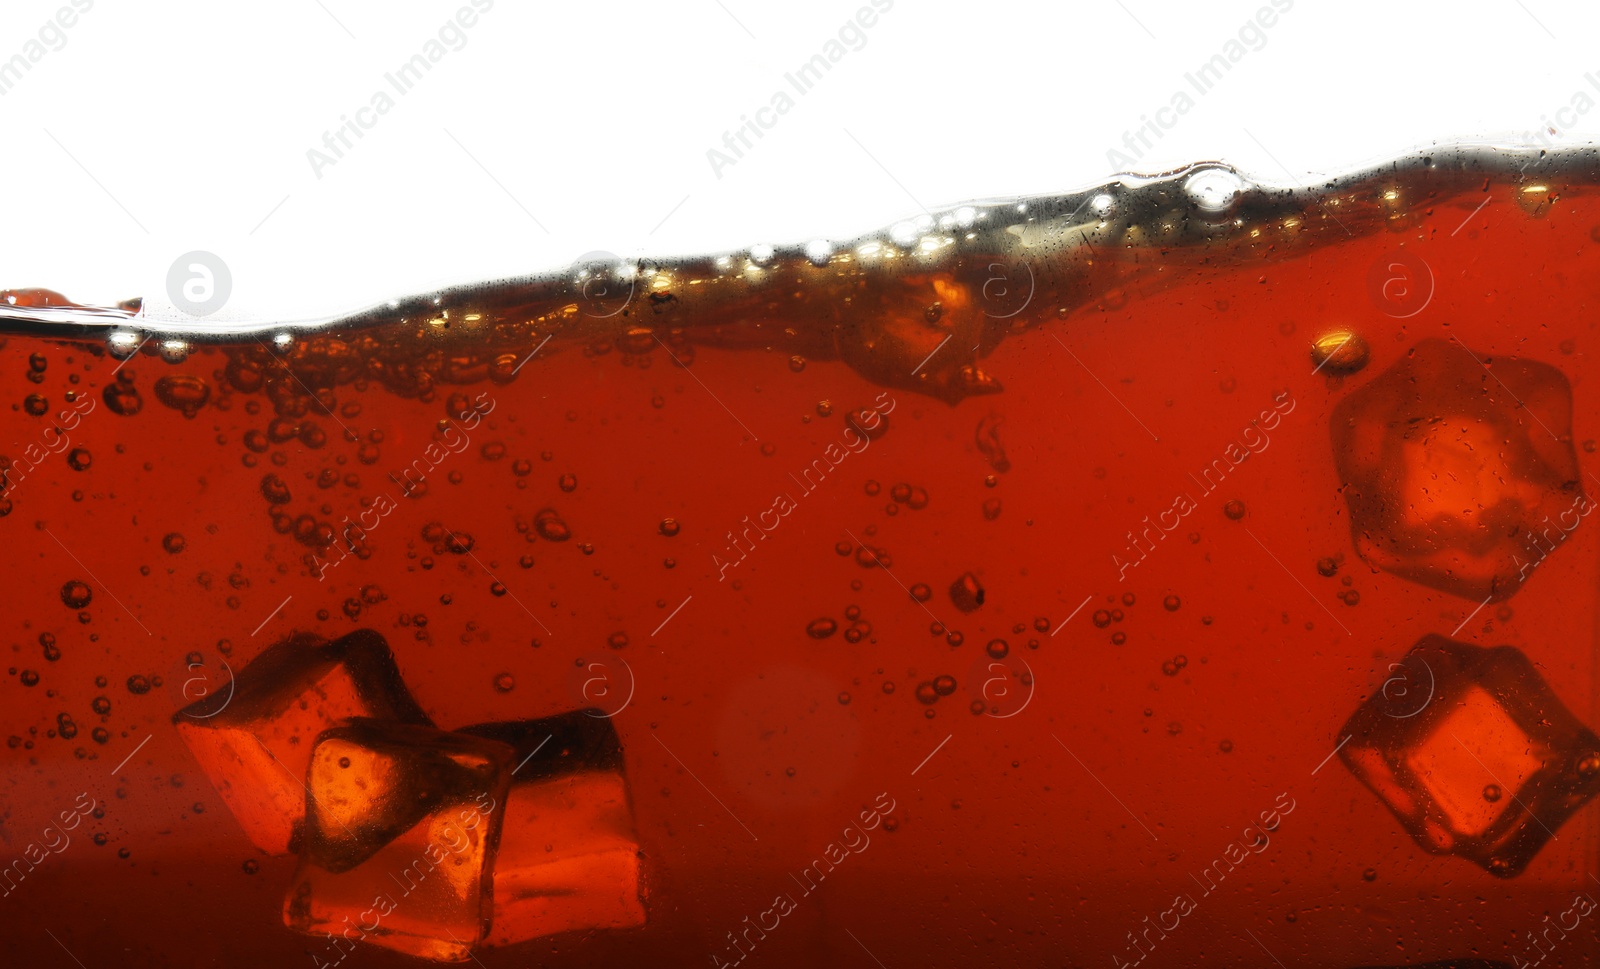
column 401, row 830
column 568, row 858
column 1459, row 474
column 255, row 745
column 1473, row 753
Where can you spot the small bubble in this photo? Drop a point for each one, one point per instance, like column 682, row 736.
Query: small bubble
column 138, row 685
column 251, row 866
column 1327, row 566
column 617, row 640
column 551, row 527
column 921, row 592
column 821, row 628
column 101, row 705
column 1371, row 874
column 1234, row 509
column 1339, row 353
column 966, row 593
column 1491, row 792
column 568, row 482
column 926, row 693
column 30, row 678
column 173, row 542
column 1226, row 746
column 344, row 762
column 844, row 699
column 1171, row 603
column 997, row 648
column 668, row 527
column 1101, row 618
column 76, row 594
column 944, row 685
column 505, row 682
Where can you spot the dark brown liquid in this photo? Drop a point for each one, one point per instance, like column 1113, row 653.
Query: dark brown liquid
column 1038, row 587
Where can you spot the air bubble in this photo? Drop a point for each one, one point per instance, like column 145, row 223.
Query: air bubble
column 1213, row 190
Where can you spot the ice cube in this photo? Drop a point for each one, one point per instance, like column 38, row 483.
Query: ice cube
column 568, row 858
column 254, row 743
column 1473, row 753
column 401, row 830
column 1458, row 475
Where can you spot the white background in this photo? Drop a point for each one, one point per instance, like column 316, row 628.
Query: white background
column 561, row 128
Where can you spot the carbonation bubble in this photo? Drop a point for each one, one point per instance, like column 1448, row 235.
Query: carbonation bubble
column 76, row 594
column 122, row 396
column 174, row 542
column 138, row 685
column 35, row 404
column 79, row 459
column 1171, row 603
column 183, row 392
column 568, row 482
column 966, row 593
column 821, row 628
column 274, row 489
column 550, row 526
column 1234, row 509
column 1341, row 352
column 101, row 705
column 668, row 527
column 1213, row 190
column 818, row 251
column 944, row 685
column 505, row 682
column 926, row 693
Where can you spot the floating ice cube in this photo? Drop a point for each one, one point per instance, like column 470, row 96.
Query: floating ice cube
column 568, row 858
column 1458, row 475
column 254, row 743
column 401, row 830
column 1473, row 753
